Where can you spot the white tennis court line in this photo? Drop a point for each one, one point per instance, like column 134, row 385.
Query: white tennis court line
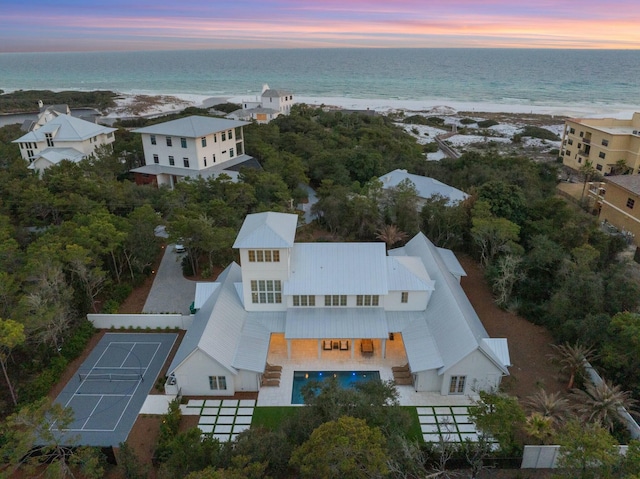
column 103, row 395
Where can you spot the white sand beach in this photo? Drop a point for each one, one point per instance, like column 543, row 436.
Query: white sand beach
column 166, row 103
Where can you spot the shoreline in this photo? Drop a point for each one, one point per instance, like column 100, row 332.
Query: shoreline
column 436, row 106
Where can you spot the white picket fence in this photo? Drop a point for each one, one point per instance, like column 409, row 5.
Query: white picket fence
column 141, row 321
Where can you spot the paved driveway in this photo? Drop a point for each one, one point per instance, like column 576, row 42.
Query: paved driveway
column 171, row 292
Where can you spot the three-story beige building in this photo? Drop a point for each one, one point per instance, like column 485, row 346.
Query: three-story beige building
column 610, row 144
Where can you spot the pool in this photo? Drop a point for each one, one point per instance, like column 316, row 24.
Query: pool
column 345, row 379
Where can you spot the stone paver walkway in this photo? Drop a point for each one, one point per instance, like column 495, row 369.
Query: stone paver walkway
column 446, row 423
column 222, row 419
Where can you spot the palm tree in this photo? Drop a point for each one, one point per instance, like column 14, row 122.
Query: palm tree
column 552, row 406
column 391, row 235
column 539, row 427
column 588, row 172
column 571, row 359
column 602, row 403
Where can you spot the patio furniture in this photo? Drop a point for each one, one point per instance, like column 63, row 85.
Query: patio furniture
column 366, row 346
column 327, row 345
column 344, row 345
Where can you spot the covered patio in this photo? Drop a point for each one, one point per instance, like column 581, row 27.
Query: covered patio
column 304, row 357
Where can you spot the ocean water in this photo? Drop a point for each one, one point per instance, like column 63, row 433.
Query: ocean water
column 536, row 77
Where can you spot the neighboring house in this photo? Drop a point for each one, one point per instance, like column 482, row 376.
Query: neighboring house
column 61, row 137
column 618, row 202
column 46, row 113
column 191, row 147
column 610, row 144
column 310, row 295
column 425, row 186
column 272, row 103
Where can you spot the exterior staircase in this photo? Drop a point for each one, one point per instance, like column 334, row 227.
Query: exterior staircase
column 271, row 376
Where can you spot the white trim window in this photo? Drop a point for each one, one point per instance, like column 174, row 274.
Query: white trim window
column 456, row 386
column 304, row 300
column 218, row 383
column 266, row 291
column 335, row 300
column 404, row 297
column 367, row 300
column 264, row 256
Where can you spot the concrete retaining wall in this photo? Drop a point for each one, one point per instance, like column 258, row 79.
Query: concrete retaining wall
column 143, row 321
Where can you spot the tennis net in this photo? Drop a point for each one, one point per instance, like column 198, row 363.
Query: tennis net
column 110, row 377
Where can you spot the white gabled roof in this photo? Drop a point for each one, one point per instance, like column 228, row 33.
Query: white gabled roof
column 191, row 126
column 267, row 230
column 425, row 186
column 453, row 265
column 450, row 318
column 421, row 346
column 56, row 155
column 338, row 268
column 66, row 128
column 500, row 348
column 407, row 273
column 203, row 292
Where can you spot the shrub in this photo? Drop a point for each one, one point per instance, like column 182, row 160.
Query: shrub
column 537, row 132
column 487, row 123
column 75, row 344
column 416, row 120
column 121, row 292
column 467, row 121
column 110, row 306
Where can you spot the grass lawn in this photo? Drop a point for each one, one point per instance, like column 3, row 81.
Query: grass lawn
column 414, row 433
column 272, row 416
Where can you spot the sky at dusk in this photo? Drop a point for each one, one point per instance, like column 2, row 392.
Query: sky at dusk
column 90, row 25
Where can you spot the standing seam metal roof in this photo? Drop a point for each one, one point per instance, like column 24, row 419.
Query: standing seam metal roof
column 267, row 230
column 191, row 126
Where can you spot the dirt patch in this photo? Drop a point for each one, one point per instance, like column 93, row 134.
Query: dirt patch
column 529, row 344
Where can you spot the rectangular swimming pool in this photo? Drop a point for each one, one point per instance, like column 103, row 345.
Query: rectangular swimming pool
column 345, row 379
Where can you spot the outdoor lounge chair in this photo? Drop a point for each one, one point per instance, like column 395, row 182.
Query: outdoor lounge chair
column 327, row 345
column 366, row 346
column 344, row 345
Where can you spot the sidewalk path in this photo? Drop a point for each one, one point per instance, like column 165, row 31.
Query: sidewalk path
column 171, row 292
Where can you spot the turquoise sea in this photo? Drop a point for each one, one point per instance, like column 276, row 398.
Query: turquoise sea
column 535, row 77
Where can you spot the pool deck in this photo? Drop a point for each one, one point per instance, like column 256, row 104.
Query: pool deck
column 304, row 357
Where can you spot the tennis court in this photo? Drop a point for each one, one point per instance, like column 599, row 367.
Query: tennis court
column 110, row 387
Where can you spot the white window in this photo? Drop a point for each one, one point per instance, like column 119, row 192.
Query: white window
column 50, row 139
column 185, row 161
column 230, row 134
column 304, row 300
column 367, row 300
column 218, row 382
column 264, row 256
column 156, row 160
column 456, row 386
column 204, row 141
column 231, row 153
column 205, row 160
column 404, row 297
column 153, row 139
column 223, row 135
column 172, row 161
column 335, row 300
column 266, row 291
column 169, row 141
column 183, row 142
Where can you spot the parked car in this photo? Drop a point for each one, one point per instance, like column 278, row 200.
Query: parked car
column 179, row 248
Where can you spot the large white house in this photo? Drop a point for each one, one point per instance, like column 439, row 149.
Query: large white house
column 190, row 147
column 311, row 296
column 271, row 104
column 57, row 137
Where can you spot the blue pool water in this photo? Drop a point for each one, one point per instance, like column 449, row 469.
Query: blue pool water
column 345, row 379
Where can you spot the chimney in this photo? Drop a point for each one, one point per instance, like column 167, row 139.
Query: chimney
column 265, row 87
column 40, row 104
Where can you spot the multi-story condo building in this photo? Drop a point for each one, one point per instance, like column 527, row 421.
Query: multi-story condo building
column 190, row 147
column 611, row 145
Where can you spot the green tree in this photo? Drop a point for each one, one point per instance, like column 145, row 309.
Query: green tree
column 587, row 451
column 444, row 224
column 11, row 336
column 620, row 352
column 34, row 443
column 499, row 416
column 506, row 200
column 603, row 403
column 346, row 447
column 571, row 359
column 492, row 235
